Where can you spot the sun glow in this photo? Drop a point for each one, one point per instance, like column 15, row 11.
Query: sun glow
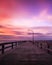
column 22, row 22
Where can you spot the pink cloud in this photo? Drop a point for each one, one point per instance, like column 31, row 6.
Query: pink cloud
column 43, row 16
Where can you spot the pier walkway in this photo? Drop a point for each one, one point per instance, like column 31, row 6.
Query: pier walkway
column 26, row 53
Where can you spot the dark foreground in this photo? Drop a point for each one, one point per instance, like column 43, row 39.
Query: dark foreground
column 26, row 53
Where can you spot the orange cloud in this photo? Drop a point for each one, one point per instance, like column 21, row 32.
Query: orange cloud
column 20, row 32
column 4, row 30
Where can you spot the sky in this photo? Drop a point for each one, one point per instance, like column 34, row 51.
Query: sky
column 18, row 18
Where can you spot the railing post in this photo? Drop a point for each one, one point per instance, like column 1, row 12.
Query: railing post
column 2, row 48
column 41, row 45
column 12, row 45
column 48, row 48
column 16, row 44
column 37, row 44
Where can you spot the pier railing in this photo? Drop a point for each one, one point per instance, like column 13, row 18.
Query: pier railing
column 7, row 45
column 45, row 45
column 11, row 45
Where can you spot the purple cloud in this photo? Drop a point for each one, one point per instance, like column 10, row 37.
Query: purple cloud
column 18, row 32
column 38, row 34
column 6, row 36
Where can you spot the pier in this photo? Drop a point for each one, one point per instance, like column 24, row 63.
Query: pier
column 25, row 52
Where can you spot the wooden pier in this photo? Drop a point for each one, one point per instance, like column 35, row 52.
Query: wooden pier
column 25, row 52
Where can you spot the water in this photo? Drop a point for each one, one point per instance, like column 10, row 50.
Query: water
column 3, row 41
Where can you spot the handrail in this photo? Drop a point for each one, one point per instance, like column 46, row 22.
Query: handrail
column 48, row 49
column 37, row 43
column 12, row 45
column 3, row 46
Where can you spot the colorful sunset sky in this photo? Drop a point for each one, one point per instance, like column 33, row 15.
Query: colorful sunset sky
column 18, row 18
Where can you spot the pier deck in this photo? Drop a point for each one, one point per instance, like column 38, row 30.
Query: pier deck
column 26, row 53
